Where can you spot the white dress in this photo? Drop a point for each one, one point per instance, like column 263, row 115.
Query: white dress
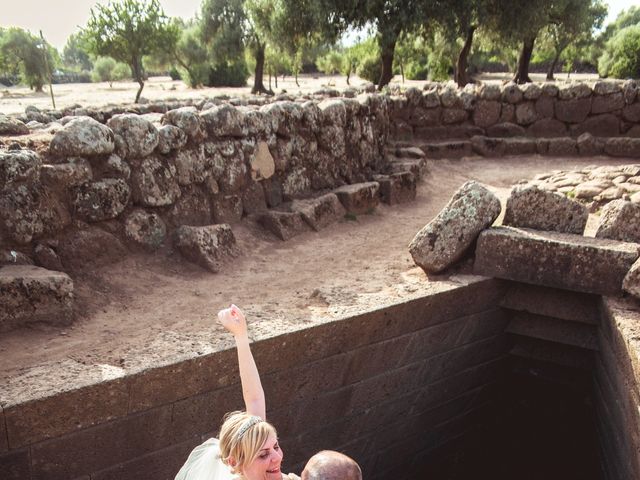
column 204, row 463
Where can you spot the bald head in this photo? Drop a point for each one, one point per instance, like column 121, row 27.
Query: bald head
column 330, row 465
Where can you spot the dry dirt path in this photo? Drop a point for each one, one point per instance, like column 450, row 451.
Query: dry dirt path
column 158, row 302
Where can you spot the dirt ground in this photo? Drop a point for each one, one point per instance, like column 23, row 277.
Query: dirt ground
column 159, row 301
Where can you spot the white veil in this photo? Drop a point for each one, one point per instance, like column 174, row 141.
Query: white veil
column 204, row 463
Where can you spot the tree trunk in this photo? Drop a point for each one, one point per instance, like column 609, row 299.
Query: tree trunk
column 138, row 77
column 269, row 70
column 296, row 77
column 387, row 63
column 461, row 75
column 552, row 68
column 402, row 71
column 348, row 76
column 258, row 85
column 522, row 74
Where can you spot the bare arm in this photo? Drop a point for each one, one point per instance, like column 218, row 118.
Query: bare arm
column 234, row 321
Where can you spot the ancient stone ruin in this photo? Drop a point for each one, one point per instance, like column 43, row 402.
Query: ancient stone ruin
column 532, row 353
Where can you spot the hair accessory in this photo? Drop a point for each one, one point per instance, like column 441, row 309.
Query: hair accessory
column 247, row 425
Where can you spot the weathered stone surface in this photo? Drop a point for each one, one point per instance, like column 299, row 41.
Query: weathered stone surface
column 430, row 99
column 272, row 191
column 590, row 189
column 519, row 146
column 486, row 113
column 631, row 282
column 547, row 128
column 115, row 167
column 631, row 113
column 223, row 121
column 14, row 257
column 74, row 173
column 334, row 111
column 630, row 91
column 253, row 199
column 46, row 257
column 208, row 246
column 507, row 113
column 606, row 87
column 21, row 166
column 447, row 149
column 170, row 138
column 545, row 107
column 620, row 220
column 573, row 111
column 187, row 119
column 191, row 166
column 573, row 91
column 449, row 97
column 409, row 152
column 319, row 212
column 445, row 239
column 397, row 188
column 605, row 125
column 135, row 136
column 564, row 146
column 424, row 118
column 487, row 147
column 552, row 259
column 32, row 294
column 283, row 225
column 103, row 200
column 607, row 103
column 531, row 91
column 192, row 208
column 622, row 147
column 589, row 145
column 416, row 166
column 12, row 126
column 145, row 229
column 490, row 92
column 85, row 249
column 505, row 130
column 262, row 163
column 526, row 113
column 20, row 215
column 530, row 207
column 550, row 90
column 454, row 115
column 82, row 136
column 227, row 208
column 154, row 183
column 359, row 198
column 511, row 93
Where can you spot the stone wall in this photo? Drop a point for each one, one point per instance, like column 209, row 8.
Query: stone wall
column 423, row 371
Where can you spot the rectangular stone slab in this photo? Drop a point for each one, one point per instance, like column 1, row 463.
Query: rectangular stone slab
column 551, row 259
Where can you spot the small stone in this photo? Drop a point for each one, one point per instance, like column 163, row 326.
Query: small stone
column 262, row 163
column 170, row 138
column 511, row 93
column 103, row 200
column 620, row 220
column 12, row 126
column 135, row 137
column 282, row 224
column 319, row 212
column 208, row 246
column 46, row 257
column 145, row 229
column 359, row 198
column 186, row 119
column 82, row 136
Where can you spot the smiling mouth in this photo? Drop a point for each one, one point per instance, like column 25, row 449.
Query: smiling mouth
column 275, row 470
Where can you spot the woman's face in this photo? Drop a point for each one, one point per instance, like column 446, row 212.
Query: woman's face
column 266, row 466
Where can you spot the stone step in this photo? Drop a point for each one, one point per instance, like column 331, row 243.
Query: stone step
column 554, row 330
column 552, row 259
column 552, row 302
column 319, row 212
column 418, row 167
column 283, row 224
column 547, row 371
column 446, row 133
column 397, row 187
column 447, row 149
column 544, row 351
column 359, row 198
column 31, row 294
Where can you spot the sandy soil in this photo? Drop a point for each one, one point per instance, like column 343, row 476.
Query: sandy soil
column 351, row 265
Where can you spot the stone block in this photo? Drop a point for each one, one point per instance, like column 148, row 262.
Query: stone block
column 449, row 149
column 209, row 246
column 409, row 152
column 607, row 103
column 446, row 239
column 550, row 352
column 15, row 465
column 319, row 212
column 511, row 93
column 283, row 225
column 417, row 167
column 620, row 220
column 622, row 147
column 397, row 187
column 531, row 207
column 605, row 125
column 505, row 129
column 90, row 248
column 448, row 132
column 519, row 146
column 33, row 294
column 553, row 259
column 227, row 208
column 526, row 113
column 547, row 128
column 454, row 115
column 359, row 198
column 262, row 163
column 631, row 113
column 574, row 90
column 565, row 146
column 103, row 200
column 554, row 330
column 573, row 111
column 545, row 107
column 631, row 283
column 589, row 145
column 551, row 302
column 145, row 229
column 486, row 113
column 253, row 199
column 487, row 147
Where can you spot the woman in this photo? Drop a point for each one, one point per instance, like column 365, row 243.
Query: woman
column 248, row 447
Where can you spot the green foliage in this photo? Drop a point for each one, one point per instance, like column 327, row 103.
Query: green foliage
column 370, row 68
column 25, row 53
column 233, row 74
column 192, row 56
column 128, row 30
column 331, row 63
column 621, row 57
column 76, row 54
column 106, row 69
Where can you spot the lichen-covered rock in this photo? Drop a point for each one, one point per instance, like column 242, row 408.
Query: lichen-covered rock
column 526, row 113
column 359, row 198
column 573, row 111
column 530, row 207
column 187, row 119
column 397, row 187
column 550, row 90
column 296, row 183
column 606, row 87
column 283, row 224
column 208, row 246
column 490, row 92
column 145, row 229
column 33, row 294
column 227, row 208
column 620, row 220
column 446, row 239
column 321, row 211
column 486, row 113
column 82, row 137
column 191, row 166
column 12, row 126
column 531, row 91
column 154, row 183
column 135, row 136
column 170, row 138
column 192, row 208
column 622, row 147
column 223, row 121
column 18, row 167
column 71, row 174
column 90, row 248
column 116, row 167
column 630, row 91
column 103, row 200
column 334, row 112
column 20, row 216
column 631, row 282
column 511, row 93
column 574, row 90
column 253, row 199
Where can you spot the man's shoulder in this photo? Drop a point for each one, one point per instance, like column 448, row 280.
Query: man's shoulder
column 290, row 476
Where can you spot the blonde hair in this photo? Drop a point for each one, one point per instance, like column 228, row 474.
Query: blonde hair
column 240, row 442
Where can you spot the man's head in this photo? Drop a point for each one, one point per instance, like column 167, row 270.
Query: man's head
column 330, row 465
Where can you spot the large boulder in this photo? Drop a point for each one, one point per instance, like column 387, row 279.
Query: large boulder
column 20, row 215
column 223, row 121
column 135, row 136
column 187, row 119
column 573, row 111
column 170, row 138
column 530, row 207
column 73, row 173
column 209, row 246
column 12, row 126
column 154, row 183
column 145, row 229
column 446, row 239
column 103, row 200
column 82, row 136
column 17, row 167
column 321, row 211
column 620, row 220
column 32, row 294
column 90, row 248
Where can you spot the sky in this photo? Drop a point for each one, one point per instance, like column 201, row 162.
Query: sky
column 60, row 18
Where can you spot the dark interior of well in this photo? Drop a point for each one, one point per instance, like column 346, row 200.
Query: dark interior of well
column 541, row 425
